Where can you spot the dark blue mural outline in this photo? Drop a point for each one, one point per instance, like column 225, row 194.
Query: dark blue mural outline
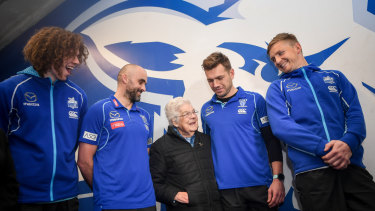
column 269, row 73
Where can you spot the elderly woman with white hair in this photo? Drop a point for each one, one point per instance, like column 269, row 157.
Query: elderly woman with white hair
column 181, row 163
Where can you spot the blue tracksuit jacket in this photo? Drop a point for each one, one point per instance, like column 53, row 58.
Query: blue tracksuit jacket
column 42, row 121
column 308, row 107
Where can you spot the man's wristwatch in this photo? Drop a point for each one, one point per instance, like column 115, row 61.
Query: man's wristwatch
column 280, row 177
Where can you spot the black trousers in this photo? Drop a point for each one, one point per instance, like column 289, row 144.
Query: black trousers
column 68, row 205
column 153, row 208
column 212, row 206
column 336, row 190
column 246, row 199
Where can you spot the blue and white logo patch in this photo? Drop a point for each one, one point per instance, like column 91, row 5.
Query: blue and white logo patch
column 242, row 102
column 264, row 120
column 328, row 80
column 90, row 136
column 242, row 111
column 209, row 110
column 332, row 88
column 72, row 103
column 114, row 114
column 30, row 97
column 73, row 114
column 292, row 87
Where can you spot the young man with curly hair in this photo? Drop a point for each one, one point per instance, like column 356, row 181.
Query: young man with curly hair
column 41, row 110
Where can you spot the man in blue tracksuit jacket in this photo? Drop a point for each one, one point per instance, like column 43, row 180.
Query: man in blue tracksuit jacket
column 243, row 146
column 112, row 152
column 41, row 111
column 318, row 115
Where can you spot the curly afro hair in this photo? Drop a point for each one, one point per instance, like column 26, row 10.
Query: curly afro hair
column 50, row 46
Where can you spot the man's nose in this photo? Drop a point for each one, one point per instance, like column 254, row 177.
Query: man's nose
column 76, row 60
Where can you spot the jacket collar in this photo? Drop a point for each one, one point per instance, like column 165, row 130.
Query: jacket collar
column 174, row 132
column 29, row 71
column 298, row 72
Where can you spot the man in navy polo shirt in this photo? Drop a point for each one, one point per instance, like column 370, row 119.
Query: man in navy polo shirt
column 112, row 153
column 241, row 137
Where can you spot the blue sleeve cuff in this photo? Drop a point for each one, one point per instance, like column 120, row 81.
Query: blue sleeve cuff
column 320, row 148
column 352, row 140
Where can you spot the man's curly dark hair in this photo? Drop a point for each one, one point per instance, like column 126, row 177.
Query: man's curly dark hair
column 50, row 46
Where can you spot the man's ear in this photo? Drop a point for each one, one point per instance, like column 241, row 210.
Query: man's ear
column 298, row 47
column 124, row 78
column 231, row 73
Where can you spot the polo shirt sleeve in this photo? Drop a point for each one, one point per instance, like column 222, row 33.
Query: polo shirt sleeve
column 261, row 111
column 83, row 110
column 206, row 129
column 92, row 125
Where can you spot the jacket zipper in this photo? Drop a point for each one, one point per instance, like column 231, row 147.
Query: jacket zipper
column 318, row 104
column 196, row 158
column 53, row 140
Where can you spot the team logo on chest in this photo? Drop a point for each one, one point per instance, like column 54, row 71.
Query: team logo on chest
column 72, row 103
column 328, row 80
column 242, row 103
column 241, row 107
column 209, row 110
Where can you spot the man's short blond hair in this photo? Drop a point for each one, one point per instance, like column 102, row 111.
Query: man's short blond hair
column 280, row 37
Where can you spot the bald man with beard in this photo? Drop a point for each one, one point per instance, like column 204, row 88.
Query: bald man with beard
column 113, row 146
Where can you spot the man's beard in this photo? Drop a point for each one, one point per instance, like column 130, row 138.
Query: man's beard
column 133, row 95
